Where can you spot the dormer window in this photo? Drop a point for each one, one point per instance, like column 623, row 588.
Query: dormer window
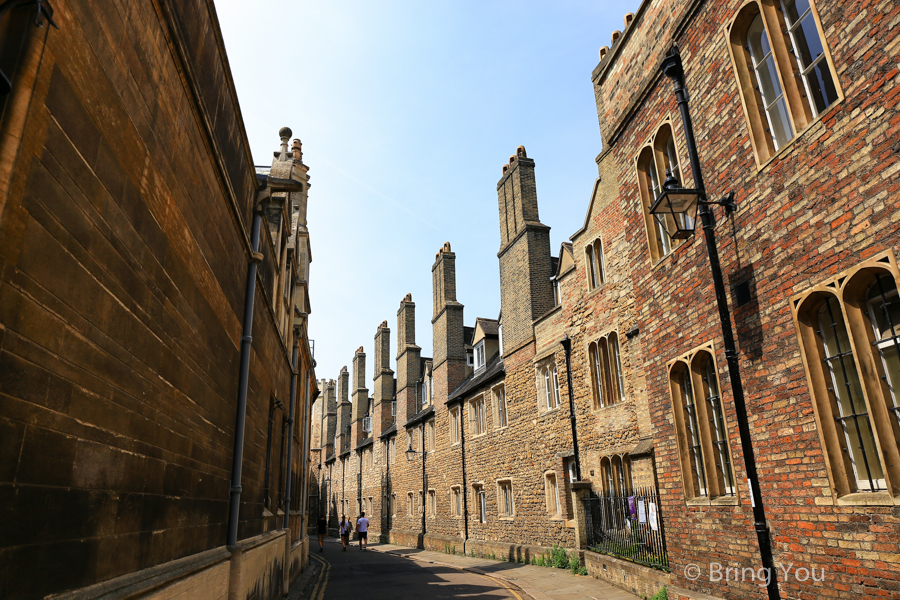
column 469, row 361
column 479, row 355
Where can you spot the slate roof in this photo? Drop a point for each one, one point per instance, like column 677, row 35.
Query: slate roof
column 421, row 416
column 366, row 442
column 468, row 336
column 492, row 371
column 390, row 430
column 488, row 326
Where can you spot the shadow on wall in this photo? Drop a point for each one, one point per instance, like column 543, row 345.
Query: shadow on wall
column 745, row 305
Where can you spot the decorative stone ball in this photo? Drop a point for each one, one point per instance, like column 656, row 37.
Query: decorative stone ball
column 285, row 132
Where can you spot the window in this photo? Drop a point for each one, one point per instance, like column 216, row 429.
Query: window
column 476, row 416
column 554, row 284
column 551, row 493
column 849, row 330
column 394, row 408
column 595, row 264
column 469, row 361
column 431, row 387
column 505, row 497
column 454, row 425
column 455, row 501
column 783, row 69
column 500, row 332
column 615, row 475
column 393, row 507
column 410, row 508
column 429, row 435
column 479, row 355
column 548, row 385
column 481, row 499
column 432, row 503
column 704, row 447
column 498, row 394
column 607, row 382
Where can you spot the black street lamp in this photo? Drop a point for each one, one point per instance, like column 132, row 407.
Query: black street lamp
column 678, row 206
column 410, row 456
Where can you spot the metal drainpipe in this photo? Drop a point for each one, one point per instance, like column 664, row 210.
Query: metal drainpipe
column 234, row 499
column 567, row 346
column 462, row 439
column 424, row 484
column 304, row 446
column 286, row 520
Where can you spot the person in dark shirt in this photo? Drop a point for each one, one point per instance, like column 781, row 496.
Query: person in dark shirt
column 322, row 529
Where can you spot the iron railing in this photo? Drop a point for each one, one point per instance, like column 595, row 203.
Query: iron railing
column 627, row 525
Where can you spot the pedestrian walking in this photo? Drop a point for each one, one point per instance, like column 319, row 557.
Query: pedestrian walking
column 321, row 530
column 362, row 526
column 345, row 531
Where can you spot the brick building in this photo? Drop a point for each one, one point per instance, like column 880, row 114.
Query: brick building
column 135, row 235
column 795, row 110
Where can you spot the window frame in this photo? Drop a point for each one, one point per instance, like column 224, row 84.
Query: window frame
column 477, row 417
column 454, row 416
column 551, row 494
column 506, row 503
column 850, row 289
column 479, row 355
column 595, row 264
column 799, row 105
column 605, row 374
column 715, row 483
column 499, row 406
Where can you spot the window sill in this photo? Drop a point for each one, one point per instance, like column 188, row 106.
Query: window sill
column 506, row 518
column 599, row 409
column 717, row 501
column 866, row 499
column 557, row 517
column 547, row 413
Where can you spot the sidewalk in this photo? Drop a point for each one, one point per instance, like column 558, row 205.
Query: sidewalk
column 541, row 583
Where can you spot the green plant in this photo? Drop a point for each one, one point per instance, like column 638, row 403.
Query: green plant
column 574, row 564
column 582, row 571
column 559, row 558
column 660, row 595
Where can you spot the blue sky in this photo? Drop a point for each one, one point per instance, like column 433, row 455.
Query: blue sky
column 407, row 112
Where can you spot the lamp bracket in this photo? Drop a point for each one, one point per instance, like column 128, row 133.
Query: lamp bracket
column 727, row 202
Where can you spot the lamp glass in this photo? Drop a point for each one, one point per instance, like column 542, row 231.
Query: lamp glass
column 675, row 209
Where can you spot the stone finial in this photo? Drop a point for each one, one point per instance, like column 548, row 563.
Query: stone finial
column 407, row 298
column 628, row 19
column 603, row 51
column 446, row 247
column 512, row 158
column 344, row 369
column 285, row 133
column 615, row 36
column 505, row 169
column 297, row 149
column 520, row 152
column 383, row 325
column 360, row 350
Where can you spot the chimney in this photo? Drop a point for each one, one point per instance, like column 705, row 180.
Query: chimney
column 449, row 361
column 525, row 290
column 360, row 395
column 384, row 381
column 343, row 409
column 408, row 359
column 330, row 425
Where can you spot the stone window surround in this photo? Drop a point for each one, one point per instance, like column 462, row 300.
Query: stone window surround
column 712, row 497
column 552, row 500
column 647, row 161
column 849, row 287
column 603, row 399
column 473, row 416
column 799, row 112
column 430, row 442
column 595, row 264
column 455, row 413
column 456, row 501
column 616, row 467
column 477, row 491
column 497, row 392
column 540, row 366
column 432, row 503
column 501, row 483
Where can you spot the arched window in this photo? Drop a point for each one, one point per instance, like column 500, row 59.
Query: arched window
column 848, row 330
column 702, row 431
column 607, row 382
column 783, row 69
column 595, row 264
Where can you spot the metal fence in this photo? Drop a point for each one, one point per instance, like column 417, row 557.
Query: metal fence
column 627, row 526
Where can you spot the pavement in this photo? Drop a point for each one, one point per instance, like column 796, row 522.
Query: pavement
column 336, row 574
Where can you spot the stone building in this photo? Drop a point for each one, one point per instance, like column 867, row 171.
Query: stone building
column 795, row 110
column 153, row 314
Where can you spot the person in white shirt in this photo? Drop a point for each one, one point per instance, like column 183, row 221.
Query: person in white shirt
column 362, row 526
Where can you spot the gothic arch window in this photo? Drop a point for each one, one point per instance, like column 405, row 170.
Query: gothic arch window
column 849, row 329
column 783, row 69
column 702, row 432
column 654, row 161
column 595, row 263
column 607, row 380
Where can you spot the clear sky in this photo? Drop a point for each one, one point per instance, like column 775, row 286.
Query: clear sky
column 407, row 112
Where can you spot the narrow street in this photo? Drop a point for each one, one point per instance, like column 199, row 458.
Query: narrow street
column 378, row 575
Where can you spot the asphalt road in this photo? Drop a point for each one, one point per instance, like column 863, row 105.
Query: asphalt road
column 372, row 575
